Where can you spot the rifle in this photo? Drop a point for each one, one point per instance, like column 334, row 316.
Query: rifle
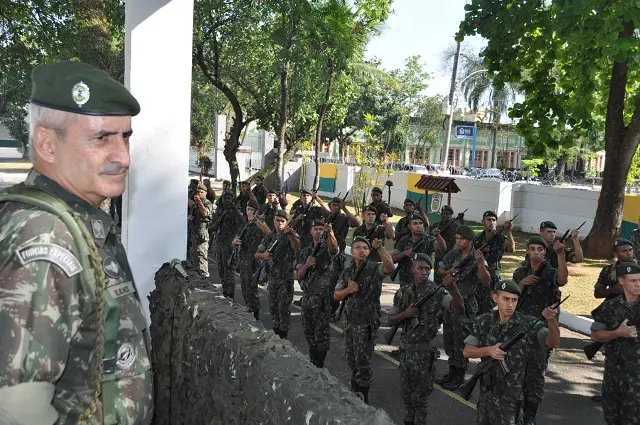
column 489, row 363
column 450, row 223
column 391, row 333
column 355, row 279
column 270, row 250
column 494, row 236
column 414, row 248
column 590, row 350
column 234, row 254
column 566, row 234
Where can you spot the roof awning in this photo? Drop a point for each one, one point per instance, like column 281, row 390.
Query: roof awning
column 438, row 184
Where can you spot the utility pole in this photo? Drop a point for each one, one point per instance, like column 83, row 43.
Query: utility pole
column 444, row 155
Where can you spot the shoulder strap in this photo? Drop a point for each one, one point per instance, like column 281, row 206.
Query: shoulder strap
column 92, row 276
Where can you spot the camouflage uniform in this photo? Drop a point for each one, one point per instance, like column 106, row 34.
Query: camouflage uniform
column 532, row 302
column 241, row 202
column 621, row 383
column 280, row 279
column 227, row 222
column 362, row 319
column 340, row 224
column 417, row 354
column 269, row 212
column 317, row 294
column 260, row 193
column 426, row 244
column 303, row 228
column 500, row 400
column 368, row 235
column 381, row 208
column 456, row 327
column 608, row 278
column 48, row 314
column 635, row 241
column 449, row 236
column 247, row 264
column 402, row 228
column 493, row 254
column 199, row 237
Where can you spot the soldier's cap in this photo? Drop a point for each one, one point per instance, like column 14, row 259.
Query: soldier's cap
column 369, row 208
column 193, row 181
column 361, row 239
column 253, row 204
column 548, row 225
column 376, row 189
column 81, row 89
column 271, row 191
column 202, row 187
column 621, row 242
column 305, row 192
column 336, row 200
column 205, row 181
column 283, row 214
column 228, row 195
column 536, row 240
column 628, row 268
column 318, row 222
column 227, row 182
column 490, row 214
column 508, row 286
column 245, row 182
column 466, row 232
column 417, row 217
column 447, row 208
column 409, row 201
column 423, row 257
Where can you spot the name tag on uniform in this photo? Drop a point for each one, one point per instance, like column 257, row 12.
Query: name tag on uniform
column 121, row 289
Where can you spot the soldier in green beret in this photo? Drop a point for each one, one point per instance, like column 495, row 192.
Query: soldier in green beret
column 548, row 231
column 69, row 304
column 608, row 285
column 199, row 217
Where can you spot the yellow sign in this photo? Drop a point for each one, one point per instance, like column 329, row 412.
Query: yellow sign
column 436, row 202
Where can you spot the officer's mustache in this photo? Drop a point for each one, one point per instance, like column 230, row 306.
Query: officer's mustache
column 113, row 168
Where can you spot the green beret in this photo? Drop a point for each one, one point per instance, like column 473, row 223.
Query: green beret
column 202, row 187
column 548, row 225
column 417, row 217
column 536, row 240
column 305, row 192
column 82, row 89
column 489, row 214
column 447, row 208
column 466, row 232
column 271, row 191
column 628, row 268
column 508, row 286
column 317, row 222
column 409, row 201
column 336, row 200
column 253, row 204
column 423, row 257
column 245, row 182
column 228, row 195
column 376, row 189
column 621, row 242
column 283, row 214
column 193, row 181
column 369, row 208
column 363, row 240
column 227, row 182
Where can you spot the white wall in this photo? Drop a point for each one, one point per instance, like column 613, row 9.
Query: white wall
column 4, row 133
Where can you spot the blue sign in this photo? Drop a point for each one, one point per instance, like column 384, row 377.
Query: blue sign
column 464, row 132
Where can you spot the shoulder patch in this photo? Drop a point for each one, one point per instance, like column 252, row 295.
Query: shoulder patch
column 55, row 254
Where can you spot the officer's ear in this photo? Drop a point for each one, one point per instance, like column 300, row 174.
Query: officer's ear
column 45, row 143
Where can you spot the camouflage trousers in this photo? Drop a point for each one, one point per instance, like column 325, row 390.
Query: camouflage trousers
column 359, row 342
column 417, row 371
column 316, row 314
column 497, row 409
column 225, row 272
column 534, row 376
column 280, row 299
column 249, row 287
column 620, row 395
column 456, row 328
column 198, row 254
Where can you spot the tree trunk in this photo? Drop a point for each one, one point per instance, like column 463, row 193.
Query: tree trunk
column 494, row 137
column 321, row 114
column 560, row 168
column 620, row 146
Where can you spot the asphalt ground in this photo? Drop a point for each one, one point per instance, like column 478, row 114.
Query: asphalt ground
column 571, row 378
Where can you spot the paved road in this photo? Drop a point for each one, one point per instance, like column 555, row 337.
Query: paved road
column 571, row 379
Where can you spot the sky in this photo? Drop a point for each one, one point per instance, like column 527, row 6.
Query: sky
column 425, row 28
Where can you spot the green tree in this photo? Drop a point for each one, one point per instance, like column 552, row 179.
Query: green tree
column 577, row 64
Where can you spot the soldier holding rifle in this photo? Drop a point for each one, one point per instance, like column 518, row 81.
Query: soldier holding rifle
column 417, row 352
column 447, row 227
column 608, row 285
column 500, row 400
column 369, row 230
column 548, row 232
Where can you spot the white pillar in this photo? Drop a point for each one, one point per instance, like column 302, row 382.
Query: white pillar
column 158, row 72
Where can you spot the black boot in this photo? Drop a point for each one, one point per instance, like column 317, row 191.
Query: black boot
column 447, row 377
column 277, row 331
column 354, row 386
column 456, row 380
column 256, row 314
column 313, row 356
column 409, row 423
column 365, row 394
column 320, row 356
column 529, row 413
column 283, row 334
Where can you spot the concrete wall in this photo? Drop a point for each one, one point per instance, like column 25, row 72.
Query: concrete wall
column 214, row 364
column 4, row 133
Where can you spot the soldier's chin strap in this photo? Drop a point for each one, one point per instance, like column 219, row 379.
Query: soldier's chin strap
column 28, row 403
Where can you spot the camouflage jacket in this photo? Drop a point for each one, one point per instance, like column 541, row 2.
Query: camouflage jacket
column 51, row 318
column 494, row 252
column 269, row 212
column 425, row 244
column 228, row 221
column 260, row 193
column 381, row 208
column 402, row 228
column 449, row 235
column 318, row 280
column 241, row 202
column 535, row 298
column 623, row 352
column 487, row 331
column 363, row 307
column 635, row 240
column 368, row 234
column 199, row 223
column 425, row 327
column 340, row 224
column 468, row 278
column 250, row 243
column 303, row 227
column 608, row 278
column 284, row 257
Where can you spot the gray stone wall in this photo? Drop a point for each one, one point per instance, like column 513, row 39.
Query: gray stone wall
column 214, row 364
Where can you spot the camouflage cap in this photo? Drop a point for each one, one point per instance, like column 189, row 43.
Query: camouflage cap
column 621, row 242
column 369, row 208
column 363, row 240
column 202, row 187
column 489, row 214
column 548, row 225
column 409, row 201
column 466, row 232
column 81, row 89
column 253, row 204
column 508, row 286
column 376, row 189
column 283, row 214
column 536, row 240
column 423, row 257
column 628, row 268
